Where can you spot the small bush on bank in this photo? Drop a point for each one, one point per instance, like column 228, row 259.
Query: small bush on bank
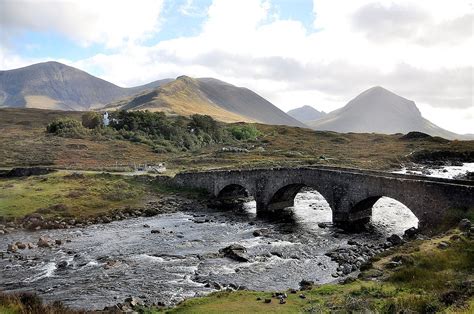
column 244, row 132
column 66, row 127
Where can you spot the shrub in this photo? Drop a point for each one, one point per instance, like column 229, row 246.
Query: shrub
column 92, row 120
column 66, row 127
column 206, row 125
column 244, row 132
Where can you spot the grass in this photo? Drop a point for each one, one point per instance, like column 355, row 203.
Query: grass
column 24, row 143
column 434, row 282
column 73, row 195
column 22, row 303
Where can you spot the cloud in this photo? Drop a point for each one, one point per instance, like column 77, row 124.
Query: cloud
column 408, row 22
column 108, row 22
column 190, row 8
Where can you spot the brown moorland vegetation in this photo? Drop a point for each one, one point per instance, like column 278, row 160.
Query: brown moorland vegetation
column 24, row 142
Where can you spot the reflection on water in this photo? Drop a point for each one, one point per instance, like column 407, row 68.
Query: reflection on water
column 107, row 263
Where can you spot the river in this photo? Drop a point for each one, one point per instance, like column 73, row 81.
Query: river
column 107, row 263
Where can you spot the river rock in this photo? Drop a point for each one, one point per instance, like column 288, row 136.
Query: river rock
column 33, row 221
column 392, row 264
column 236, row 252
column 346, row 269
column 260, row 232
column 410, row 233
column 395, row 239
column 465, row 225
column 306, row 284
column 133, row 301
column 21, row 245
column 43, row 242
column 12, row 248
column 443, row 245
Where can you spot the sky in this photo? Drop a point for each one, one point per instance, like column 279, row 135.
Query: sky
column 320, row 53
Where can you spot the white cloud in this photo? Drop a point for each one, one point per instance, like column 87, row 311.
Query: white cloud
column 190, row 8
column 111, row 22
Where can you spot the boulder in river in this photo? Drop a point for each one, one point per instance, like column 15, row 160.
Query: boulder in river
column 236, row 252
column 21, row 245
column 12, row 248
column 410, row 233
column 260, row 232
column 43, row 242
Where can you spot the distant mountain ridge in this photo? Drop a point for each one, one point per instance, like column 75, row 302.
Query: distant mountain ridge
column 306, row 113
column 53, row 85
column 378, row 110
column 223, row 101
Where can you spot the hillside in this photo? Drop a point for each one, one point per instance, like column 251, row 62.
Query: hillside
column 223, row 101
column 24, row 142
column 378, row 110
column 306, row 113
column 53, row 85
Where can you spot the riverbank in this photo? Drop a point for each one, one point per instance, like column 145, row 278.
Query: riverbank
column 61, row 199
column 422, row 276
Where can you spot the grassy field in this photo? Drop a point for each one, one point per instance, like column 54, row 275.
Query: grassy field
column 24, row 143
column 430, row 280
column 67, row 195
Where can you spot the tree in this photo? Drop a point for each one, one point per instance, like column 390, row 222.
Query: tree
column 92, row 120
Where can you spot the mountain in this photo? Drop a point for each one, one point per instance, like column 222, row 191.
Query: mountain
column 306, row 113
column 53, row 85
column 378, row 110
column 223, row 101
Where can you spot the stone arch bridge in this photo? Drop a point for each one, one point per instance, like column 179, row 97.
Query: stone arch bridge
column 351, row 193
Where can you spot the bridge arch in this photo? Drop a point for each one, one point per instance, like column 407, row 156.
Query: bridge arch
column 233, row 190
column 362, row 212
column 284, row 196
